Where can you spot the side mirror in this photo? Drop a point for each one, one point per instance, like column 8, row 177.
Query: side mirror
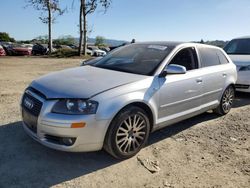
column 173, row 69
column 90, row 61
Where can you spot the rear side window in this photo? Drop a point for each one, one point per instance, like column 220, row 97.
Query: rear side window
column 209, row 57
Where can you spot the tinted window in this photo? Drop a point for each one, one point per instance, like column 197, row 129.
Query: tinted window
column 238, row 46
column 209, row 57
column 187, row 58
column 136, row 58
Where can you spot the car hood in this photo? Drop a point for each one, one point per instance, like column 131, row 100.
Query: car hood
column 82, row 82
column 240, row 60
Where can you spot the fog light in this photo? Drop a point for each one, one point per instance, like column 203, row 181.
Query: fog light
column 68, row 141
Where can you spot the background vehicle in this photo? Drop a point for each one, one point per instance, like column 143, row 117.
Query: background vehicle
column 106, row 49
column 239, row 51
column 2, row 51
column 89, row 52
column 18, row 49
column 96, row 51
column 117, row 101
column 40, row 49
column 8, row 48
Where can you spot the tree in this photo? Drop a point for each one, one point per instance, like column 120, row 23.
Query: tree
column 65, row 40
column 5, row 37
column 50, row 7
column 99, row 41
column 43, row 39
column 88, row 7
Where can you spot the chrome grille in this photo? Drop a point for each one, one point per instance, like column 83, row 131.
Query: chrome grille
column 31, row 104
column 241, row 86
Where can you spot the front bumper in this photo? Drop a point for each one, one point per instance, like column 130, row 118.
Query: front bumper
column 88, row 138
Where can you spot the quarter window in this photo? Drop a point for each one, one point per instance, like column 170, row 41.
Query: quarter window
column 222, row 57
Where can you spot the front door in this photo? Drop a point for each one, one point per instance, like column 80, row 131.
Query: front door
column 180, row 93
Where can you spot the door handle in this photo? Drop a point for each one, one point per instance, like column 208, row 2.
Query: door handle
column 224, row 74
column 199, row 80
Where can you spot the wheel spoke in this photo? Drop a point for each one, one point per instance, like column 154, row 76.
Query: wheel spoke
column 123, row 144
column 121, row 134
column 122, row 129
column 133, row 144
column 135, row 121
column 136, row 142
column 140, row 137
column 127, row 124
column 129, row 145
column 130, row 122
column 140, row 128
column 126, row 147
column 121, row 140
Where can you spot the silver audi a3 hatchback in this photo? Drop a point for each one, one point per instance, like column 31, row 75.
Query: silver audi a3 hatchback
column 115, row 102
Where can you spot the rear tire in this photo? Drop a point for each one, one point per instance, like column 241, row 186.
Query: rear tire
column 226, row 101
column 127, row 133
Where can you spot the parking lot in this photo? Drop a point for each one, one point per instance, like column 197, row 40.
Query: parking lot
column 204, row 151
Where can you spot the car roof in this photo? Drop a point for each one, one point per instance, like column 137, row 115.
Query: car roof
column 244, row 37
column 175, row 44
column 165, row 43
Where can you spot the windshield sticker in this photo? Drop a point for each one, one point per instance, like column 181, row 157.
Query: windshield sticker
column 158, row 47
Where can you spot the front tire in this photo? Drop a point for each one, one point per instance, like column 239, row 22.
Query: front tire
column 127, row 133
column 226, row 101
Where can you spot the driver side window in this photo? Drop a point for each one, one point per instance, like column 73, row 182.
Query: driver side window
column 186, row 57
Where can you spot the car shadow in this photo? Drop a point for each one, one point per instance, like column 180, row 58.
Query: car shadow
column 24, row 162
column 176, row 128
column 241, row 99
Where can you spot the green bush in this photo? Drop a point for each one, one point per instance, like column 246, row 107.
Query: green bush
column 60, row 53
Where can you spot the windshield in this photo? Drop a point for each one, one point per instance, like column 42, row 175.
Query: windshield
column 136, row 58
column 238, row 46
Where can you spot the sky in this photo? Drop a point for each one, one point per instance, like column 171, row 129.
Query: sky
column 143, row 20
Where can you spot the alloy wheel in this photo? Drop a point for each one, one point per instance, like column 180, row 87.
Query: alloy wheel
column 131, row 133
column 227, row 99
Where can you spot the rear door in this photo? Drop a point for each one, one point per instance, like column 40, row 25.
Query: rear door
column 214, row 73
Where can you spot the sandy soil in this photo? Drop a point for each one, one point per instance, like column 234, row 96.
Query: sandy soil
column 204, row 151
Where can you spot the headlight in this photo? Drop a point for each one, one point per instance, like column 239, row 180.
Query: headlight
column 245, row 68
column 75, row 106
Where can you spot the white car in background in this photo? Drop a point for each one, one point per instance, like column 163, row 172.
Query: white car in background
column 96, row 51
column 239, row 51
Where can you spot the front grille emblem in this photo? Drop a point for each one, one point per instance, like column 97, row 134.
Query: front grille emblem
column 28, row 103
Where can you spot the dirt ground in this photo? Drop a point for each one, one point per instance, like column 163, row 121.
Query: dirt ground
column 204, row 151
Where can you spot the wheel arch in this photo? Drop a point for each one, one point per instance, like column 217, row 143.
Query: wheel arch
column 143, row 106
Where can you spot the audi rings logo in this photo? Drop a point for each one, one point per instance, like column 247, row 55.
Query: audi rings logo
column 28, row 103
